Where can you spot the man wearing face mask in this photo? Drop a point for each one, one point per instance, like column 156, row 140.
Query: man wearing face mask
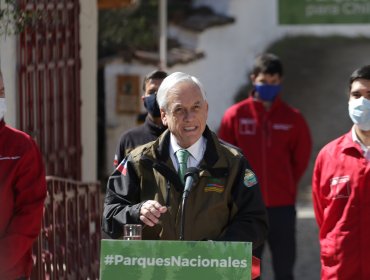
column 341, row 194
column 152, row 127
column 22, row 195
column 276, row 140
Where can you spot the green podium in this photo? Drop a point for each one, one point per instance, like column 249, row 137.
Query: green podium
column 175, row 260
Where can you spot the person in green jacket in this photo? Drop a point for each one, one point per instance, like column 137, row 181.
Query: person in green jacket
column 225, row 203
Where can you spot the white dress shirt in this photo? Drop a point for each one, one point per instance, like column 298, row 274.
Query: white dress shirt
column 196, row 152
column 365, row 149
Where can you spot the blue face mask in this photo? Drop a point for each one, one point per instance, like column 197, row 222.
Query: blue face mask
column 151, row 105
column 267, row 92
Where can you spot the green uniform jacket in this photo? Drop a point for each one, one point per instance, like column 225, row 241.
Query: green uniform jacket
column 225, row 204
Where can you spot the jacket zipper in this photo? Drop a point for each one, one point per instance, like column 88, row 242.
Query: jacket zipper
column 265, row 135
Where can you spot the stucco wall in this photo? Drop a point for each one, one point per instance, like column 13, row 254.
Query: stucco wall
column 88, row 39
column 229, row 54
column 8, row 69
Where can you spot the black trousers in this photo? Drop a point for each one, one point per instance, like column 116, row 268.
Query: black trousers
column 281, row 240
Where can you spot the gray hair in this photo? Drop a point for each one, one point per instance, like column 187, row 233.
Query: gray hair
column 172, row 80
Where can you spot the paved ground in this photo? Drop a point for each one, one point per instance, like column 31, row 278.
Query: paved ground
column 308, row 258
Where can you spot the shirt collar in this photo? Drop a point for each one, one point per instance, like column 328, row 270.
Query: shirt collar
column 357, row 140
column 196, row 150
column 365, row 150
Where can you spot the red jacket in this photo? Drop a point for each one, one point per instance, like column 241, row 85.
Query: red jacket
column 277, row 143
column 22, row 195
column 341, row 199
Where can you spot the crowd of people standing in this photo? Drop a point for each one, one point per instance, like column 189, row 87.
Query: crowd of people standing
column 248, row 173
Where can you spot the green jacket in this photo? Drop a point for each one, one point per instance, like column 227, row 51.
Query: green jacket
column 225, row 204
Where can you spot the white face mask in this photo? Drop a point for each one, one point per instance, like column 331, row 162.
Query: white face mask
column 359, row 112
column 2, row 107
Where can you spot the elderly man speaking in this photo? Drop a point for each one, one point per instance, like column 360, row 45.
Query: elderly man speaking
column 147, row 187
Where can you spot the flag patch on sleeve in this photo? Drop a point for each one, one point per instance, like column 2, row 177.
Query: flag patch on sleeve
column 250, row 178
column 122, row 167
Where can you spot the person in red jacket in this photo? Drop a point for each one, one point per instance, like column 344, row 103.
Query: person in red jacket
column 341, row 191
column 22, row 195
column 275, row 138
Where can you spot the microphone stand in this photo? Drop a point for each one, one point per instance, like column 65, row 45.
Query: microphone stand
column 182, row 225
column 191, row 178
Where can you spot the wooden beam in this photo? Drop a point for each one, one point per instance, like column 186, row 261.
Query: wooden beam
column 114, row 4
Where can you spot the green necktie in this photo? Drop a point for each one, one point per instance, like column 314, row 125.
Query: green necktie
column 182, row 157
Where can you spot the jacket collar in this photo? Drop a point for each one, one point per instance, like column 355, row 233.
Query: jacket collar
column 2, row 124
column 349, row 145
column 210, row 154
column 258, row 104
column 163, row 164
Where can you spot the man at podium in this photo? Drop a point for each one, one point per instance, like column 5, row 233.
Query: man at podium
column 147, row 186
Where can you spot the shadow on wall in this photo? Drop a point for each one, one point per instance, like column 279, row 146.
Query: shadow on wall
column 316, row 75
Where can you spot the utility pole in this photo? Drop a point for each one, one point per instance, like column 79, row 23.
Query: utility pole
column 163, row 34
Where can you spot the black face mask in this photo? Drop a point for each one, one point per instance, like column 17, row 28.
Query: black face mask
column 151, row 105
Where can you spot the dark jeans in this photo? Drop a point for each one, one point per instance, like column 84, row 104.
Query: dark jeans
column 282, row 241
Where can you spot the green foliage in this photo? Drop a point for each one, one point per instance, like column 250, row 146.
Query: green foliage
column 12, row 19
column 121, row 31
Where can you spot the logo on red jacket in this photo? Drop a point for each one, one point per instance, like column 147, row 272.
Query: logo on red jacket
column 340, row 187
column 247, row 126
column 122, row 167
column 250, row 178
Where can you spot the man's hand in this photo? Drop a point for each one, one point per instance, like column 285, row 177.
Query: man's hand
column 150, row 212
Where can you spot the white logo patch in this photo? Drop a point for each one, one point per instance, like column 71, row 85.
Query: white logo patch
column 340, row 187
column 9, row 158
column 281, row 126
column 247, row 126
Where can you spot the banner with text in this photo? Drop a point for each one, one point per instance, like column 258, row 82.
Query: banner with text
column 180, row 260
column 324, row 11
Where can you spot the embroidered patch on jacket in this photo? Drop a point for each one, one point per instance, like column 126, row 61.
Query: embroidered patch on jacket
column 9, row 158
column 122, row 167
column 250, row 178
column 214, row 186
column 282, row 126
column 340, row 187
column 247, row 126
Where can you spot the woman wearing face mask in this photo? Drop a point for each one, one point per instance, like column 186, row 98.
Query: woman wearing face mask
column 341, row 191
column 276, row 140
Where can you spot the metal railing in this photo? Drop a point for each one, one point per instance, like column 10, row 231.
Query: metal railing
column 69, row 243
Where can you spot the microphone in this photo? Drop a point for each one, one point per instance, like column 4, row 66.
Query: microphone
column 191, row 178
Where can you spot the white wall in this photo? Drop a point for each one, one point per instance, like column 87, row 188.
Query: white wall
column 229, row 55
column 118, row 123
column 8, row 69
column 88, row 39
column 230, row 51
